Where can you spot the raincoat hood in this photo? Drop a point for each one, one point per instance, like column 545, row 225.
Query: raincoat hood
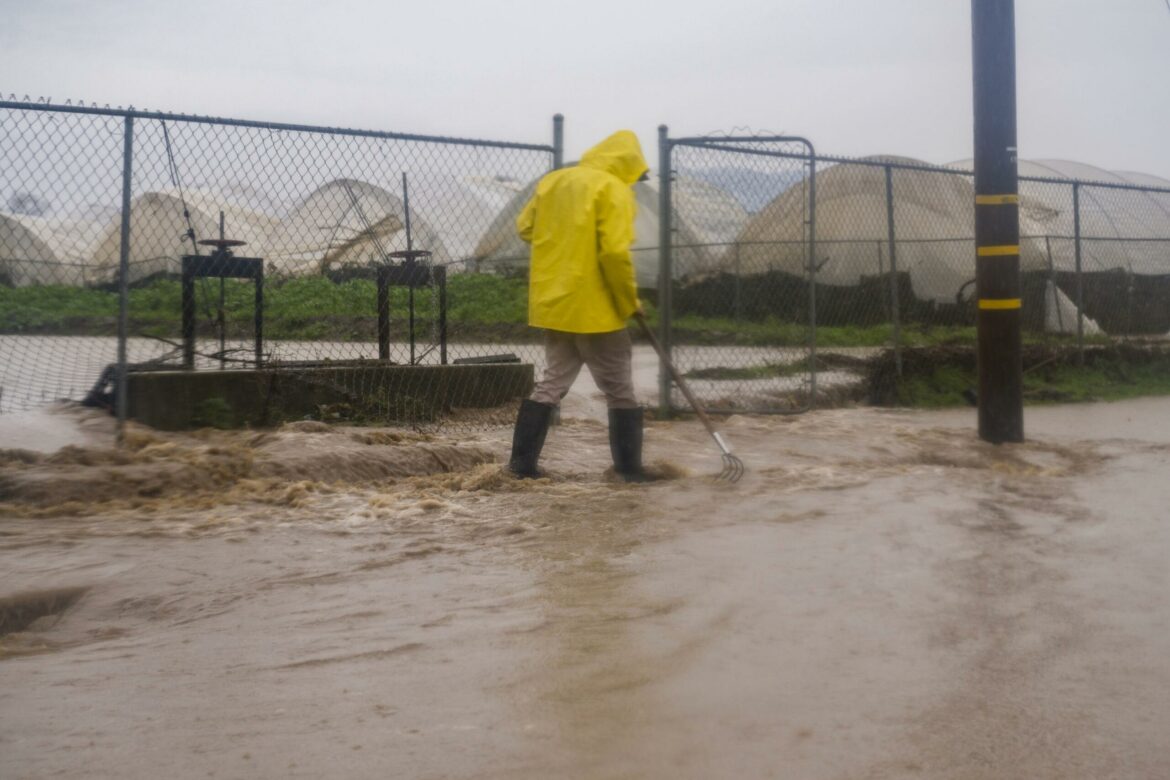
column 620, row 154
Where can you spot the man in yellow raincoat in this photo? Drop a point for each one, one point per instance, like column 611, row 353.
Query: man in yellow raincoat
column 582, row 289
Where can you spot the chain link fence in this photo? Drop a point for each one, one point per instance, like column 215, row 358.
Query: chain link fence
column 778, row 277
column 892, row 269
column 354, row 255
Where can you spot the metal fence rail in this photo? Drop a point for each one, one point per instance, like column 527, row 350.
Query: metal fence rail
column 359, row 240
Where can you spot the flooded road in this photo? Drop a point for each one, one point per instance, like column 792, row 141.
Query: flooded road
column 882, row 596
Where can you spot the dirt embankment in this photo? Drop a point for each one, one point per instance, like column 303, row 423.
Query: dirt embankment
column 952, row 370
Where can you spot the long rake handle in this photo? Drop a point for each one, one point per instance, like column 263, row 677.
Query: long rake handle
column 682, row 384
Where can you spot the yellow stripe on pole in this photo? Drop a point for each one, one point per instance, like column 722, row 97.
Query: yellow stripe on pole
column 997, row 200
column 998, row 251
column 999, row 303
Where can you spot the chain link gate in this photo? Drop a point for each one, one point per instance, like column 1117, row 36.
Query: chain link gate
column 737, row 278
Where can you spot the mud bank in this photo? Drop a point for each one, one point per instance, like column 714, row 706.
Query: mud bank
column 946, row 375
column 882, row 596
column 218, row 465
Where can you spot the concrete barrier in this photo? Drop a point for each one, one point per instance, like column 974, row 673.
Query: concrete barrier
column 177, row 400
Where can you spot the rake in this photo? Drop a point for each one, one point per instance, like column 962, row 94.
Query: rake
column 733, row 467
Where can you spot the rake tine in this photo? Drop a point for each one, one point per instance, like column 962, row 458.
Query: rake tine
column 733, row 468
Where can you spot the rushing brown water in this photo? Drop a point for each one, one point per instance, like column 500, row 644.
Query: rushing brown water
column 882, row 596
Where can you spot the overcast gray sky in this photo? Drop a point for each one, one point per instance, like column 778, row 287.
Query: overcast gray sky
column 856, row 76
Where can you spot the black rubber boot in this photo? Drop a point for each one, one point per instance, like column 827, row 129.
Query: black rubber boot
column 528, row 438
column 625, row 444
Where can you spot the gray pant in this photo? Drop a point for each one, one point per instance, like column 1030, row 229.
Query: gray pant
column 608, row 356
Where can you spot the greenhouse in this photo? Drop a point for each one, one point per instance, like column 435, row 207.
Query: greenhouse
column 1125, row 233
column 1120, row 228
column 1125, row 241
column 344, row 223
column 350, row 223
column 159, row 223
column 26, row 257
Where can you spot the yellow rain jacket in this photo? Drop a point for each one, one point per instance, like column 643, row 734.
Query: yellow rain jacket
column 580, row 223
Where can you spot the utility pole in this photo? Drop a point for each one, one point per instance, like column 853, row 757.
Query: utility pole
column 997, row 221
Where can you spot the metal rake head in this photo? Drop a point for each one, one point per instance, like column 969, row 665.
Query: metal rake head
column 733, row 468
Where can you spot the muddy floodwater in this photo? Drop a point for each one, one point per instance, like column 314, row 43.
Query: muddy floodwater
column 881, row 596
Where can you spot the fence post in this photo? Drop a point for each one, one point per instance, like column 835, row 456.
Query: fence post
column 891, row 236
column 1080, row 277
column 558, row 141
column 1055, row 289
column 738, row 286
column 120, row 401
column 812, row 268
column 383, row 304
column 665, row 268
column 1128, row 271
